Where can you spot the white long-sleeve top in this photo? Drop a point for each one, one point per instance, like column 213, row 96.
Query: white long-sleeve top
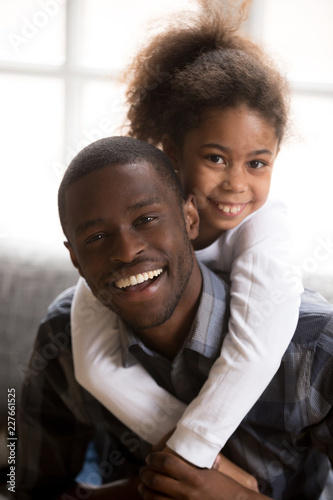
column 265, row 299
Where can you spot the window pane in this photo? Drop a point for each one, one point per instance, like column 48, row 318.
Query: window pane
column 110, row 31
column 301, row 32
column 303, row 174
column 32, row 31
column 103, row 111
column 31, row 129
column 101, row 114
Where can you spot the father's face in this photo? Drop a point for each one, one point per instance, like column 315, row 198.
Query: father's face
column 129, row 240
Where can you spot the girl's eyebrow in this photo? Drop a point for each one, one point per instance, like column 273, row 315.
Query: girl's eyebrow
column 214, row 145
column 261, row 152
column 226, row 149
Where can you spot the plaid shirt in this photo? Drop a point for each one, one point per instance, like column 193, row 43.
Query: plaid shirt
column 285, row 440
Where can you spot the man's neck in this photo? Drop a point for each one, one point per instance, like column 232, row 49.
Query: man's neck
column 168, row 338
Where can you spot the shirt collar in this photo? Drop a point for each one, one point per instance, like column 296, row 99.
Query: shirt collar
column 209, row 326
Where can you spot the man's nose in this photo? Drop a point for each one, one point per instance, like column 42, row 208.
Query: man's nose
column 126, row 246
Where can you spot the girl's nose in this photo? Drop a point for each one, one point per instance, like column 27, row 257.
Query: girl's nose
column 234, row 180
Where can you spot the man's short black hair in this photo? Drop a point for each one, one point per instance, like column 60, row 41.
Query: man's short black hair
column 120, row 151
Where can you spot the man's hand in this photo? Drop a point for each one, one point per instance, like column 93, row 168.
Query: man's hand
column 168, row 476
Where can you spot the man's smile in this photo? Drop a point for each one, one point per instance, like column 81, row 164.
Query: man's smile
column 139, row 287
column 138, row 278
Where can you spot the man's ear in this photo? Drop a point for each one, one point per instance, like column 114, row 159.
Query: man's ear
column 73, row 257
column 170, row 150
column 191, row 216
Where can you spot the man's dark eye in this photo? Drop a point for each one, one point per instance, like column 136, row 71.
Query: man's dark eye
column 145, row 220
column 96, row 237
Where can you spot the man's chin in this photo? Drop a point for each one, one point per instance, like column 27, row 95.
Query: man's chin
column 144, row 323
column 146, row 317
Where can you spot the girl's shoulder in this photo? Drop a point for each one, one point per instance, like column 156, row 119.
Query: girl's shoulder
column 268, row 227
column 266, row 230
column 272, row 211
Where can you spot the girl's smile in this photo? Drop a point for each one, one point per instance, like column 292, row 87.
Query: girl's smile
column 228, row 209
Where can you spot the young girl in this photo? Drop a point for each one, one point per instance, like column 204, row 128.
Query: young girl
column 219, row 109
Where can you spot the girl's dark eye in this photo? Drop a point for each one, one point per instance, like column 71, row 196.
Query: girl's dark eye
column 216, row 159
column 256, row 164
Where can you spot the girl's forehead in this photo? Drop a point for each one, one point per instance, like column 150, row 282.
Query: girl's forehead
column 231, row 113
column 237, row 128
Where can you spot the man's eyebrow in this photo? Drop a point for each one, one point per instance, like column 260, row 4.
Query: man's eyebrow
column 81, row 228
column 226, row 149
column 143, row 203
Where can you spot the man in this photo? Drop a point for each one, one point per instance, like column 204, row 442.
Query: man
column 123, row 213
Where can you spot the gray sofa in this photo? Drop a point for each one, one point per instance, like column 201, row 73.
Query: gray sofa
column 29, row 280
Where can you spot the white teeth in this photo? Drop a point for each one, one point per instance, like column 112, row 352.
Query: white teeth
column 137, row 279
column 234, row 209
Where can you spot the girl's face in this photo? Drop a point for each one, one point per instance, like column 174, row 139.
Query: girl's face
column 227, row 163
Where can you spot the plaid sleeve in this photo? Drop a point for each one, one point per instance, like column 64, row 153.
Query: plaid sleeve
column 321, row 396
column 52, row 438
column 322, row 436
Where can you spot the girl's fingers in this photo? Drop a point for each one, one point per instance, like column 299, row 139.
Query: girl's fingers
column 222, row 464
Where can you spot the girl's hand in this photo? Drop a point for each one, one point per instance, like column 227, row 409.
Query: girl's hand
column 161, row 445
column 228, row 468
column 168, row 476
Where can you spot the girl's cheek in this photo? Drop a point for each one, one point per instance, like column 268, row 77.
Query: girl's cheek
column 200, row 198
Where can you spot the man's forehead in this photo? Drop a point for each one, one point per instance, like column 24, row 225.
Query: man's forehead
column 114, row 188
column 127, row 187
column 126, row 175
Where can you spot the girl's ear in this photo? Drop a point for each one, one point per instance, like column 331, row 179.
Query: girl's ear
column 170, row 150
column 191, row 217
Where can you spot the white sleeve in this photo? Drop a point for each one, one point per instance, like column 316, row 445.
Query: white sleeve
column 264, row 306
column 131, row 394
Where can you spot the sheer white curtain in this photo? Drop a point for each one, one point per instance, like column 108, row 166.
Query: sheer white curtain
column 299, row 34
